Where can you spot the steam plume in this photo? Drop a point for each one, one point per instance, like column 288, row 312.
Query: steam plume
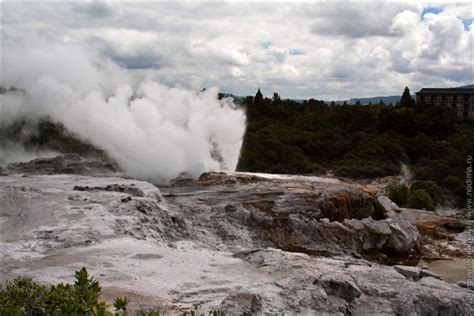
column 153, row 131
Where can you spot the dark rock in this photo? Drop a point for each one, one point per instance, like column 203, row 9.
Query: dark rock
column 147, row 256
column 427, row 273
column 466, row 285
column 183, row 180
column 122, row 188
column 409, row 272
column 242, row 303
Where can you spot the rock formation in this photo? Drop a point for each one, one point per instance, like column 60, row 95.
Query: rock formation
column 245, row 243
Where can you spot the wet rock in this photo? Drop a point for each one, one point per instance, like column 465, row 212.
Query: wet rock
column 427, row 273
column 465, row 285
column 411, row 273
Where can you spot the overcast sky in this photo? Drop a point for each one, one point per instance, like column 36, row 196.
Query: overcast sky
column 301, row 50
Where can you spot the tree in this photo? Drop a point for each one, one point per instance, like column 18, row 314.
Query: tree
column 258, row 98
column 276, row 99
column 406, row 99
column 276, row 96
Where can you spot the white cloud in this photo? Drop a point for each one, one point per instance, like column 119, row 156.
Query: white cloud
column 349, row 48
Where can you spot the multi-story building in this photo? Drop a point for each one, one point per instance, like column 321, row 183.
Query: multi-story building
column 459, row 100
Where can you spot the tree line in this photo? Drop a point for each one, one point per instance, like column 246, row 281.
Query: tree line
column 357, row 141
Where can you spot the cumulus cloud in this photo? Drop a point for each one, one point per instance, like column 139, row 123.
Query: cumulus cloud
column 153, row 131
column 356, row 20
column 349, row 48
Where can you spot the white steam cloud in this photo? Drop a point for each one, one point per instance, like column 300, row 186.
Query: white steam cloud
column 153, row 131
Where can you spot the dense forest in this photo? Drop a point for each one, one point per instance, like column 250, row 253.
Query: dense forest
column 284, row 136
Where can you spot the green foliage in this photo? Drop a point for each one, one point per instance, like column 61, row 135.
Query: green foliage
column 45, row 134
column 120, row 304
column 398, row 192
column 357, row 141
column 430, row 187
column 406, row 99
column 195, row 312
column 420, row 199
column 24, row 297
column 258, row 97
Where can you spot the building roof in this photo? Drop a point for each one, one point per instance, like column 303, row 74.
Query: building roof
column 446, row 91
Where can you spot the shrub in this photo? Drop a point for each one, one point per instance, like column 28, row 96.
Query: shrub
column 120, row 304
column 24, row 297
column 420, row 199
column 430, row 187
column 398, row 192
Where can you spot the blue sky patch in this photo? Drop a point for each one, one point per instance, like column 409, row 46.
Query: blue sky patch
column 266, row 44
column 434, row 10
column 466, row 23
column 296, row 51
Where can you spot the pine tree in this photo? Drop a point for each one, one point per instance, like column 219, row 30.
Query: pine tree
column 406, row 100
column 258, row 98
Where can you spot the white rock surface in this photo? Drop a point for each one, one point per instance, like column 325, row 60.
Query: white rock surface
column 192, row 246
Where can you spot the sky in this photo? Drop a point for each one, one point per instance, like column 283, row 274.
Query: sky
column 329, row 51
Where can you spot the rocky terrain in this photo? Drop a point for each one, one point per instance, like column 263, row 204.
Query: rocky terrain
column 245, row 243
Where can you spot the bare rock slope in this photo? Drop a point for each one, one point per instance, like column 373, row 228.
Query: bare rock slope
column 245, row 243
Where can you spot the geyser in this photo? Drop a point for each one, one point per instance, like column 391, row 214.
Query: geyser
column 153, row 131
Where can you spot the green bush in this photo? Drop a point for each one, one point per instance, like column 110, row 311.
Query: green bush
column 398, row 192
column 430, row 187
column 420, row 199
column 24, row 297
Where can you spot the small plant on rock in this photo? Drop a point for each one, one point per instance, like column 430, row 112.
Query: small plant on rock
column 120, row 304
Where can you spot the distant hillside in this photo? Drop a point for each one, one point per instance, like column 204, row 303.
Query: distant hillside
column 364, row 101
column 373, row 100
column 469, row 86
column 387, row 100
